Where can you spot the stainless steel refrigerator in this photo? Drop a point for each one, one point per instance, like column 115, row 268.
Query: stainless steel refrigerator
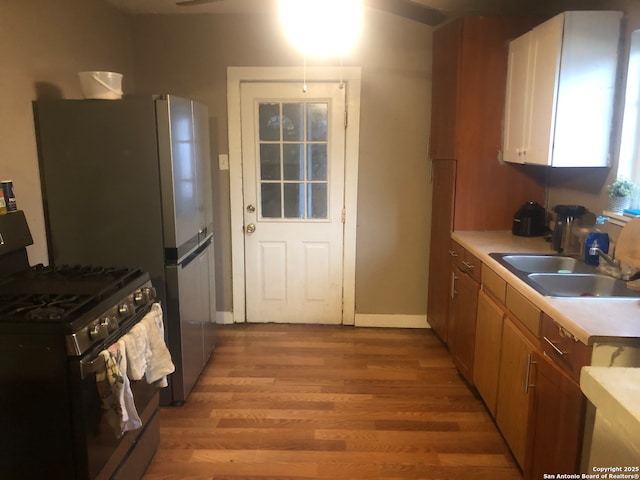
column 128, row 183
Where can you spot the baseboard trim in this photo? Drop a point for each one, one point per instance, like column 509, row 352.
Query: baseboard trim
column 224, row 318
column 391, row 321
column 361, row 320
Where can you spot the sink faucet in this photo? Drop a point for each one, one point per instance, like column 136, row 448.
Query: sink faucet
column 613, row 262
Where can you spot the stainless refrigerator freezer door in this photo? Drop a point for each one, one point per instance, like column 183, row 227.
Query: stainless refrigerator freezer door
column 189, row 290
column 183, row 136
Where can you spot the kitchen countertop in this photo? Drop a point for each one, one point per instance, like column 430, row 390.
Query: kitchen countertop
column 615, row 392
column 590, row 320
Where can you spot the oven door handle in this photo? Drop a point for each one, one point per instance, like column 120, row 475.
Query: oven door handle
column 89, row 367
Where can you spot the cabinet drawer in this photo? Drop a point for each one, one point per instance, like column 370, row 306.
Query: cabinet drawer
column 563, row 348
column 456, row 253
column 494, row 283
column 465, row 260
column 525, row 311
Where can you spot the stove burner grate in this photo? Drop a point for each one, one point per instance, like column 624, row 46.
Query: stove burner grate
column 42, row 307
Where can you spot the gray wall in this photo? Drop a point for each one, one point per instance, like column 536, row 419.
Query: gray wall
column 43, row 44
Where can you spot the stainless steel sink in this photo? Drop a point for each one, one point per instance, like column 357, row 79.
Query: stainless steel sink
column 542, row 263
column 563, row 276
column 581, row 285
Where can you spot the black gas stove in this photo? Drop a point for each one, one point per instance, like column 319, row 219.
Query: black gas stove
column 55, row 324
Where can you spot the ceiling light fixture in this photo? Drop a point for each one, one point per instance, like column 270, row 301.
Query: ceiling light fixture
column 322, row 28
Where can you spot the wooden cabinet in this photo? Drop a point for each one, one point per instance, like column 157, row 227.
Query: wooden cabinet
column 465, row 273
column 469, row 74
column 486, row 365
column 514, row 392
column 468, row 93
column 557, row 417
column 552, row 69
column 443, row 177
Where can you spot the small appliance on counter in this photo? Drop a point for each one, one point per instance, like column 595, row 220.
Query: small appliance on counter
column 564, row 238
column 530, row 220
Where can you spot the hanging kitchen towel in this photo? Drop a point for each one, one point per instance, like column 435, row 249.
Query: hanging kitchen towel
column 160, row 364
column 138, row 352
column 115, row 391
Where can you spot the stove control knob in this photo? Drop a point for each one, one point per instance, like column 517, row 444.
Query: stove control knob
column 123, row 309
column 138, row 297
column 110, row 323
column 98, row 331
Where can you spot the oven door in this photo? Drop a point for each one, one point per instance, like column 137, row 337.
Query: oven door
column 101, row 454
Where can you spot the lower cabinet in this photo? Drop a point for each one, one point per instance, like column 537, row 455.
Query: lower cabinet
column 486, row 365
column 514, row 392
column 556, row 421
column 465, row 274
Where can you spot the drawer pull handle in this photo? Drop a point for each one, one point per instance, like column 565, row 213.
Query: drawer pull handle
column 555, row 348
column 452, row 253
column 468, row 265
column 528, row 385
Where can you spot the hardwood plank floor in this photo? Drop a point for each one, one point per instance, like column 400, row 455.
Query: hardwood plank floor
column 324, row 402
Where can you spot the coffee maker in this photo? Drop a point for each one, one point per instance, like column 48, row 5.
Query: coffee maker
column 565, row 239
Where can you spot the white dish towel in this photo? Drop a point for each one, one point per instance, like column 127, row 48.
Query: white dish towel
column 159, row 364
column 115, row 390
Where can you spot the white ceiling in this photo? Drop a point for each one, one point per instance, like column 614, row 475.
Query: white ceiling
column 449, row 7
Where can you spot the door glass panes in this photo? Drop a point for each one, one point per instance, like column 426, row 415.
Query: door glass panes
column 269, row 161
column 271, row 200
column 293, row 163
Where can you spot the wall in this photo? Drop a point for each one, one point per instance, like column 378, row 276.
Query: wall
column 188, row 55
column 43, row 44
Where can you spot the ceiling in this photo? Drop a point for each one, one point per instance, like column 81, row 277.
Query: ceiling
column 450, row 8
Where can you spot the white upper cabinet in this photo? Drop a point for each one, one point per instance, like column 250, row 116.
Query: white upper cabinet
column 560, row 92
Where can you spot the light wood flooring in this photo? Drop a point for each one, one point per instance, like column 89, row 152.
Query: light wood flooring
column 323, row 402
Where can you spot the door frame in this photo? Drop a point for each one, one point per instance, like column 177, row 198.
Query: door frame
column 351, row 76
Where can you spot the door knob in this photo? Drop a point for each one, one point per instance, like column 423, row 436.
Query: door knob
column 250, row 228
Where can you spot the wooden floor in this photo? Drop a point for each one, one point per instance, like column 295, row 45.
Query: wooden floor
column 321, row 402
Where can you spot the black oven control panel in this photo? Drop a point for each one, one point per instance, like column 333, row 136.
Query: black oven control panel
column 110, row 321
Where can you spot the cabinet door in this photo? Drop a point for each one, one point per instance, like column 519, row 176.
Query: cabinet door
column 516, row 103
column 462, row 331
column 486, row 364
column 545, row 52
column 512, row 410
column 444, row 90
column 557, row 421
column 443, row 175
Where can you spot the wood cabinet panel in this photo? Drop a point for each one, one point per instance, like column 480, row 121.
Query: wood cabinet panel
column 486, row 365
column 462, row 321
column 563, row 348
column 494, row 283
column 443, row 177
column 557, row 421
column 512, row 410
column 525, row 311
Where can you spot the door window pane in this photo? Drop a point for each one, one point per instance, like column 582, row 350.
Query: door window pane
column 269, row 120
column 317, row 120
column 271, row 200
column 317, row 161
column 293, row 161
column 270, row 161
column 294, row 200
column 292, row 122
column 317, row 200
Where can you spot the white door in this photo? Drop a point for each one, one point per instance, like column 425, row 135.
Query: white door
column 293, row 146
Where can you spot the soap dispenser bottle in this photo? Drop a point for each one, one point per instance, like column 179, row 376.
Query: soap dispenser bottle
column 596, row 239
